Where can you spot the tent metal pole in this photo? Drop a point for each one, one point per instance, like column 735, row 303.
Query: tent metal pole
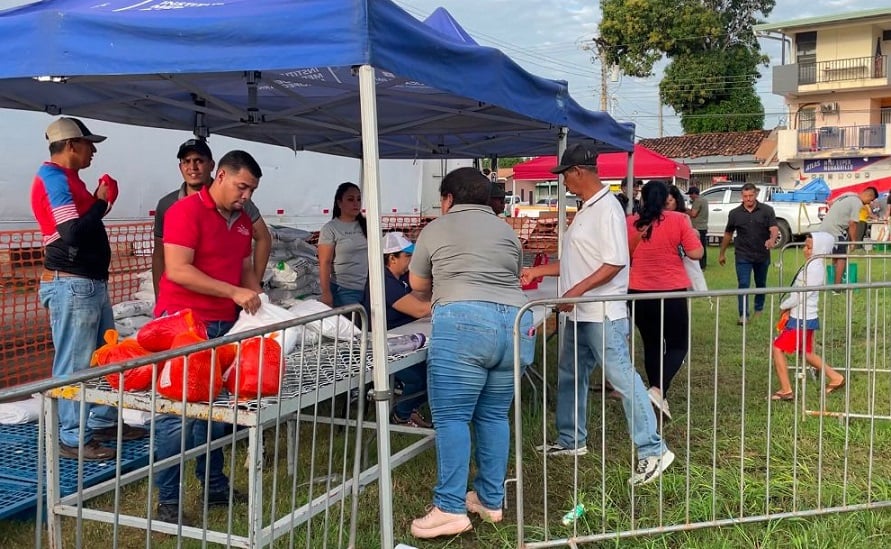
column 371, row 185
column 561, row 193
column 629, row 180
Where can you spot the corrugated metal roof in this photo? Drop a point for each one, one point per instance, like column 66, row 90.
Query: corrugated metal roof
column 822, row 20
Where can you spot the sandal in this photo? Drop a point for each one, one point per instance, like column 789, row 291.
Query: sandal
column 832, row 387
column 779, row 395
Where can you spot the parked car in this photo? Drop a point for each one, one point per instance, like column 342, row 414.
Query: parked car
column 794, row 219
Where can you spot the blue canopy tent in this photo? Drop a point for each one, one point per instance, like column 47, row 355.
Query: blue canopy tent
column 354, row 78
column 284, row 72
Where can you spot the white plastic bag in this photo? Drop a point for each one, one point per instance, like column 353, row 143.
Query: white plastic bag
column 266, row 315
column 337, row 326
column 694, row 272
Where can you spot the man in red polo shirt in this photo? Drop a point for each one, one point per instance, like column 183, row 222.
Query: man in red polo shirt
column 207, row 268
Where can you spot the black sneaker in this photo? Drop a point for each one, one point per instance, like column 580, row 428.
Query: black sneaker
column 221, row 498
column 110, row 434
column 169, row 512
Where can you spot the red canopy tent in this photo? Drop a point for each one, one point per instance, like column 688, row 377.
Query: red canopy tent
column 882, row 185
column 647, row 165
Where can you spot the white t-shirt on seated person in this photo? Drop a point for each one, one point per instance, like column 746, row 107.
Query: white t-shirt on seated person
column 597, row 237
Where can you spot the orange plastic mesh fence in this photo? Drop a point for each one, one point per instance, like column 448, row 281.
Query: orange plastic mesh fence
column 26, row 349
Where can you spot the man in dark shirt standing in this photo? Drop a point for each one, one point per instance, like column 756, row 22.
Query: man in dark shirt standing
column 196, row 166
column 756, row 230
column 73, row 284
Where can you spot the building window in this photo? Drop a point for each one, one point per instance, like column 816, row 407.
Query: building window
column 806, row 57
column 807, row 119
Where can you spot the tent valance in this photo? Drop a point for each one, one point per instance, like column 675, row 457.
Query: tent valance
column 647, row 165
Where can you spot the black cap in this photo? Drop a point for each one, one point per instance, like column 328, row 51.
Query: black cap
column 194, row 145
column 577, row 155
column 693, row 190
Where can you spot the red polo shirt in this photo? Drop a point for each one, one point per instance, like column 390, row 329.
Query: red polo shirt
column 220, row 246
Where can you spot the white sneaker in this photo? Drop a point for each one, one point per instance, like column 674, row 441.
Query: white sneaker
column 552, row 449
column 659, row 403
column 649, row 469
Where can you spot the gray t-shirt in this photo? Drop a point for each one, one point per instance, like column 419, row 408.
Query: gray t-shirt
column 845, row 209
column 350, row 268
column 700, row 222
column 168, row 199
column 471, row 255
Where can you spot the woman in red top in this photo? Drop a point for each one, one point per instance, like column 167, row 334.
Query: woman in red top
column 658, row 240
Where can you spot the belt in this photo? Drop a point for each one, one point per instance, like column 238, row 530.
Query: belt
column 49, row 276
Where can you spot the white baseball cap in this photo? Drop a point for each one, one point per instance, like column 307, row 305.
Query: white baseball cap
column 396, row 242
column 70, row 128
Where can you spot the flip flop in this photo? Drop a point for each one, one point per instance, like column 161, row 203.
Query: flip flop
column 782, row 396
column 832, row 387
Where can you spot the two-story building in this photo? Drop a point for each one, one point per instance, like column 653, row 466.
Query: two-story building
column 837, row 87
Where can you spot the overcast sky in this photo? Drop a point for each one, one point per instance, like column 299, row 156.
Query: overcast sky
column 548, row 38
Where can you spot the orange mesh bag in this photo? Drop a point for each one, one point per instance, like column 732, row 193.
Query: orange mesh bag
column 226, row 355
column 203, row 378
column 157, row 335
column 114, row 351
column 246, row 370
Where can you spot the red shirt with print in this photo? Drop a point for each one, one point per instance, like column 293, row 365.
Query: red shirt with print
column 220, row 247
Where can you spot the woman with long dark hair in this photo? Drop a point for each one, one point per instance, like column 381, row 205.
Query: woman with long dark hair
column 675, row 201
column 658, row 240
column 343, row 249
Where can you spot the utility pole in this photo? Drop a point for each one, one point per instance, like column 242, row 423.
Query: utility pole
column 600, row 48
column 659, row 110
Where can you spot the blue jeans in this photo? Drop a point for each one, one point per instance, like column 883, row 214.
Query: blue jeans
column 168, row 438
column 80, row 313
column 602, row 344
column 470, row 379
column 345, row 296
column 744, row 270
column 414, row 382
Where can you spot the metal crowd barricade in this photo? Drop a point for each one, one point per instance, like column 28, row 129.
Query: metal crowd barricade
column 301, row 464
column 740, row 456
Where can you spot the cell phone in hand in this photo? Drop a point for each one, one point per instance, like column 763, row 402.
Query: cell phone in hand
column 681, row 253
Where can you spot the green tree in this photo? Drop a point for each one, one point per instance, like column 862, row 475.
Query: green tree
column 712, row 52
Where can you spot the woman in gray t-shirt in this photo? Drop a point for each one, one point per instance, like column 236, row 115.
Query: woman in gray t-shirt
column 343, row 250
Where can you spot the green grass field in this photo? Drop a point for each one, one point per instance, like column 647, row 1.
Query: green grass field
column 737, row 456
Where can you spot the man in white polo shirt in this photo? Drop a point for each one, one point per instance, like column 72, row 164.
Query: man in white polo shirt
column 595, row 263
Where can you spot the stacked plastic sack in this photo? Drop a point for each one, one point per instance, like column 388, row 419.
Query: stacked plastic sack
column 293, row 270
column 130, row 316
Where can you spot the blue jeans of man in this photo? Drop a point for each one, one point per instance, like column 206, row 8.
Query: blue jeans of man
column 168, row 442
column 602, row 344
column 414, row 385
column 744, row 271
column 470, row 379
column 80, row 313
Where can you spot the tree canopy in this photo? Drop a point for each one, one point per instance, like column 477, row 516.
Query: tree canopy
column 712, row 51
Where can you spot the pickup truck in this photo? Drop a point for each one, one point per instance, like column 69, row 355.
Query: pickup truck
column 793, row 218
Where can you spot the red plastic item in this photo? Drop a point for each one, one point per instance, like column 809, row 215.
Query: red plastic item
column 203, row 381
column 541, row 258
column 157, row 335
column 250, row 364
column 112, row 185
column 114, row 351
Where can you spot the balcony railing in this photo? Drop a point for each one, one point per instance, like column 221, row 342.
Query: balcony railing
column 839, row 70
column 886, row 115
column 841, row 137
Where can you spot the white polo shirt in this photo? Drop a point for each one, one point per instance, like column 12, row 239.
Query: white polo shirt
column 597, row 236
